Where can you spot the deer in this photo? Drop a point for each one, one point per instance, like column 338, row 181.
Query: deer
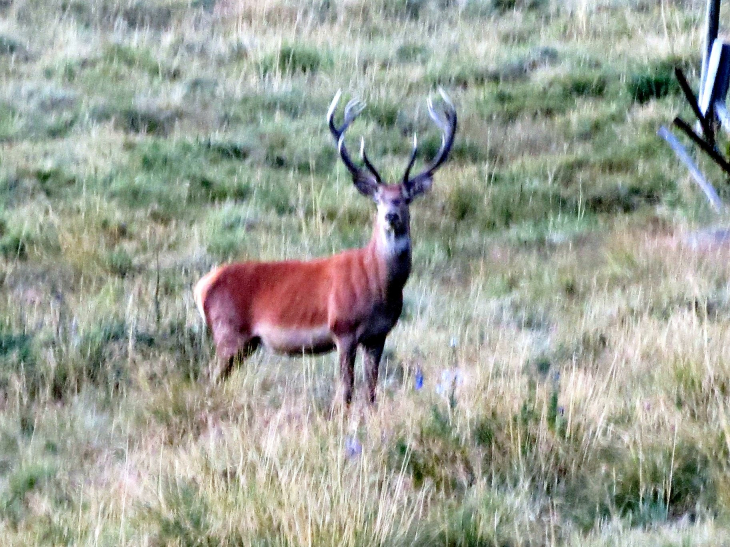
column 346, row 301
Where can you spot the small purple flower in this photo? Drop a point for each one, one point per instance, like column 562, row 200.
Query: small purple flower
column 353, row 448
column 418, row 379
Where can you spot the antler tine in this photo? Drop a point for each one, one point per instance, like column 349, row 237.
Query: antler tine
column 331, row 111
column 367, row 163
column 345, row 156
column 441, row 121
column 352, row 111
column 446, row 99
column 446, row 122
column 412, row 159
column 353, row 108
column 333, row 104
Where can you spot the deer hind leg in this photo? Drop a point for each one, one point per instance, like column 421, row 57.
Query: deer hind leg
column 231, row 346
column 373, row 353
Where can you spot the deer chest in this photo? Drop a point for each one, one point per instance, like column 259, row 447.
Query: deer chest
column 381, row 320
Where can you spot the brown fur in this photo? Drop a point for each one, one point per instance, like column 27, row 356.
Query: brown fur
column 349, row 300
column 355, row 296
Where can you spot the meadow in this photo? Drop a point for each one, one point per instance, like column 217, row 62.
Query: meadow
column 142, row 142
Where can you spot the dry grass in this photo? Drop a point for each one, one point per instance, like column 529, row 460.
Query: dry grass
column 142, row 142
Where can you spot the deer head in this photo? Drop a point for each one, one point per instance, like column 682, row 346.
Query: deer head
column 393, row 200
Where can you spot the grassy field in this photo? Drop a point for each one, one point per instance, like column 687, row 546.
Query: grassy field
column 144, row 141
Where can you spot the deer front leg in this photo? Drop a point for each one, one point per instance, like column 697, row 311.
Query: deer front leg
column 373, row 353
column 347, row 350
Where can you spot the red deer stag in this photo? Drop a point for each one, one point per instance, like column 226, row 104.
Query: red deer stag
column 351, row 299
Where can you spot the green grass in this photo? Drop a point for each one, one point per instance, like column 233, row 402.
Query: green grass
column 143, row 142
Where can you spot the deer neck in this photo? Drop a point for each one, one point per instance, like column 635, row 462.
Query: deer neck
column 392, row 252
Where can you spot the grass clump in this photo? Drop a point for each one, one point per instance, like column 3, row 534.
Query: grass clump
column 174, row 175
column 435, row 455
column 22, row 482
column 12, row 47
column 503, row 6
column 654, row 81
column 411, row 52
column 13, row 246
column 146, row 120
column 182, row 515
column 549, row 100
column 16, row 347
column 293, row 59
column 118, row 262
column 670, row 482
column 479, row 521
column 404, row 9
column 138, row 14
column 582, row 84
column 138, row 59
column 463, row 74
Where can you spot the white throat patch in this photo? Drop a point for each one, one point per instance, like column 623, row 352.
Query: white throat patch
column 398, row 245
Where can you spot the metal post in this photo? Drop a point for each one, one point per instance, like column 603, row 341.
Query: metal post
column 697, row 175
column 713, row 24
column 717, row 78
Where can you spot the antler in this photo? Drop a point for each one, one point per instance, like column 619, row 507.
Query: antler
column 365, row 182
column 446, row 121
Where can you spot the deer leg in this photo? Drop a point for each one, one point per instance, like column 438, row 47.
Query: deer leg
column 222, row 368
column 373, row 353
column 347, row 349
column 230, row 346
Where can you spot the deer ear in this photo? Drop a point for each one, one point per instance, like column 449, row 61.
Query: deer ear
column 417, row 186
column 366, row 185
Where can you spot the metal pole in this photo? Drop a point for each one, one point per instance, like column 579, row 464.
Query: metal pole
column 697, row 175
column 713, row 24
